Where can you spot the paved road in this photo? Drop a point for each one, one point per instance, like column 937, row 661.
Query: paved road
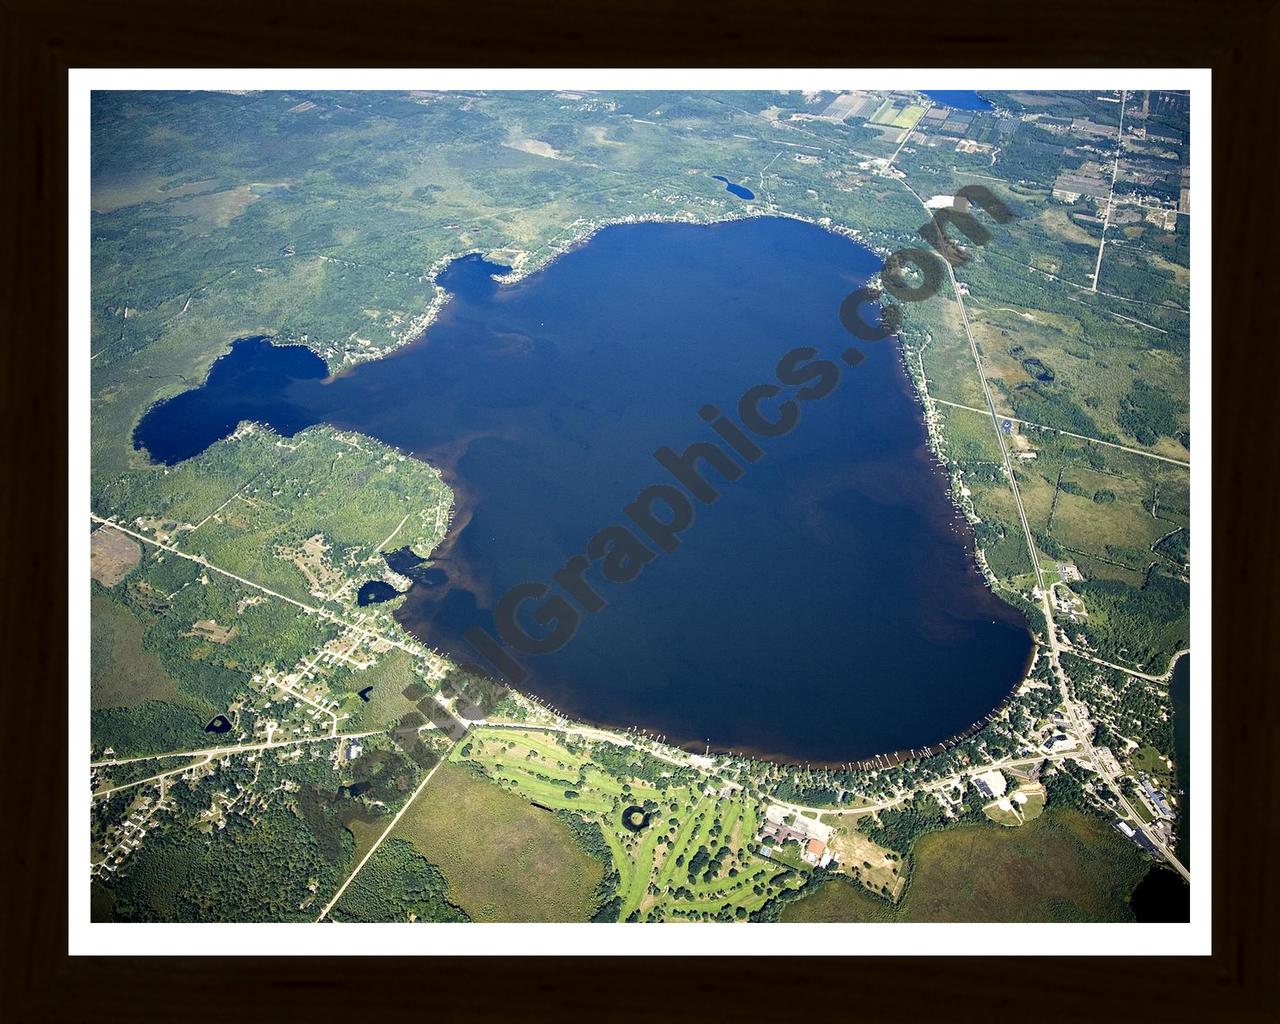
column 1077, row 728
column 1168, row 673
column 1115, row 172
column 238, row 748
column 1067, row 433
column 323, row 613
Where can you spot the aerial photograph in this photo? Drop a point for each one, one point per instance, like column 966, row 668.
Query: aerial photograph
column 635, row 506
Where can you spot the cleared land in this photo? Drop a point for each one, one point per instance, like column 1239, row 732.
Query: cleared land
column 122, row 673
column 503, row 859
column 1063, row 866
column 111, row 556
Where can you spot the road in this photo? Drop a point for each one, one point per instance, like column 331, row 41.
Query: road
column 1115, row 172
column 238, row 748
column 946, row 782
column 1071, row 710
column 991, row 408
column 153, row 778
column 1168, row 673
column 323, row 613
column 378, row 842
column 1067, row 433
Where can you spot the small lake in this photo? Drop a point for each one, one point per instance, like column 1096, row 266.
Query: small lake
column 958, row 99
column 741, row 191
column 826, row 608
column 375, row 592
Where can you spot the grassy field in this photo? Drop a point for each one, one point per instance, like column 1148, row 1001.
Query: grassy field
column 503, row 859
column 1024, row 804
column 122, row 673
column 387, row 703
column 1062, row 866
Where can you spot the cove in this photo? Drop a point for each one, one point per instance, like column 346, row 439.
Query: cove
column 825, row 609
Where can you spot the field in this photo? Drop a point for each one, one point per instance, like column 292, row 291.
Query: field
column 1063, row 866
column 111, row 556
column 877, row 867
column 897, row 114
column 1026, row 803
column 122, row 673
column 502, row 858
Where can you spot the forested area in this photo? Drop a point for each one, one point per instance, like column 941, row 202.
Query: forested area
column 1140, row 626
column 397, row 884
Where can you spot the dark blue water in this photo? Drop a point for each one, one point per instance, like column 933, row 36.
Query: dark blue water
column 741, row 191
column 246, row 385
column 375, row 592
column 1180, row 694
column 958, row 99
column 825, row 608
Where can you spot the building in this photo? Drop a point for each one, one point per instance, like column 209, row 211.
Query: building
column 991, row 784
column 781, row 833
column 1141, row 839
column 1157, row 799
column 814, row 850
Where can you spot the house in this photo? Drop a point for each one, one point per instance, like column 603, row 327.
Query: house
column 814, row 850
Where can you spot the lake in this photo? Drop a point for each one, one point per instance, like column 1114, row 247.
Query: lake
column 375, row 592
column 824, row 609
column 741, row 191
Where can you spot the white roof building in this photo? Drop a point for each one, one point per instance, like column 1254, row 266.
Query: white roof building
column 991, row 783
